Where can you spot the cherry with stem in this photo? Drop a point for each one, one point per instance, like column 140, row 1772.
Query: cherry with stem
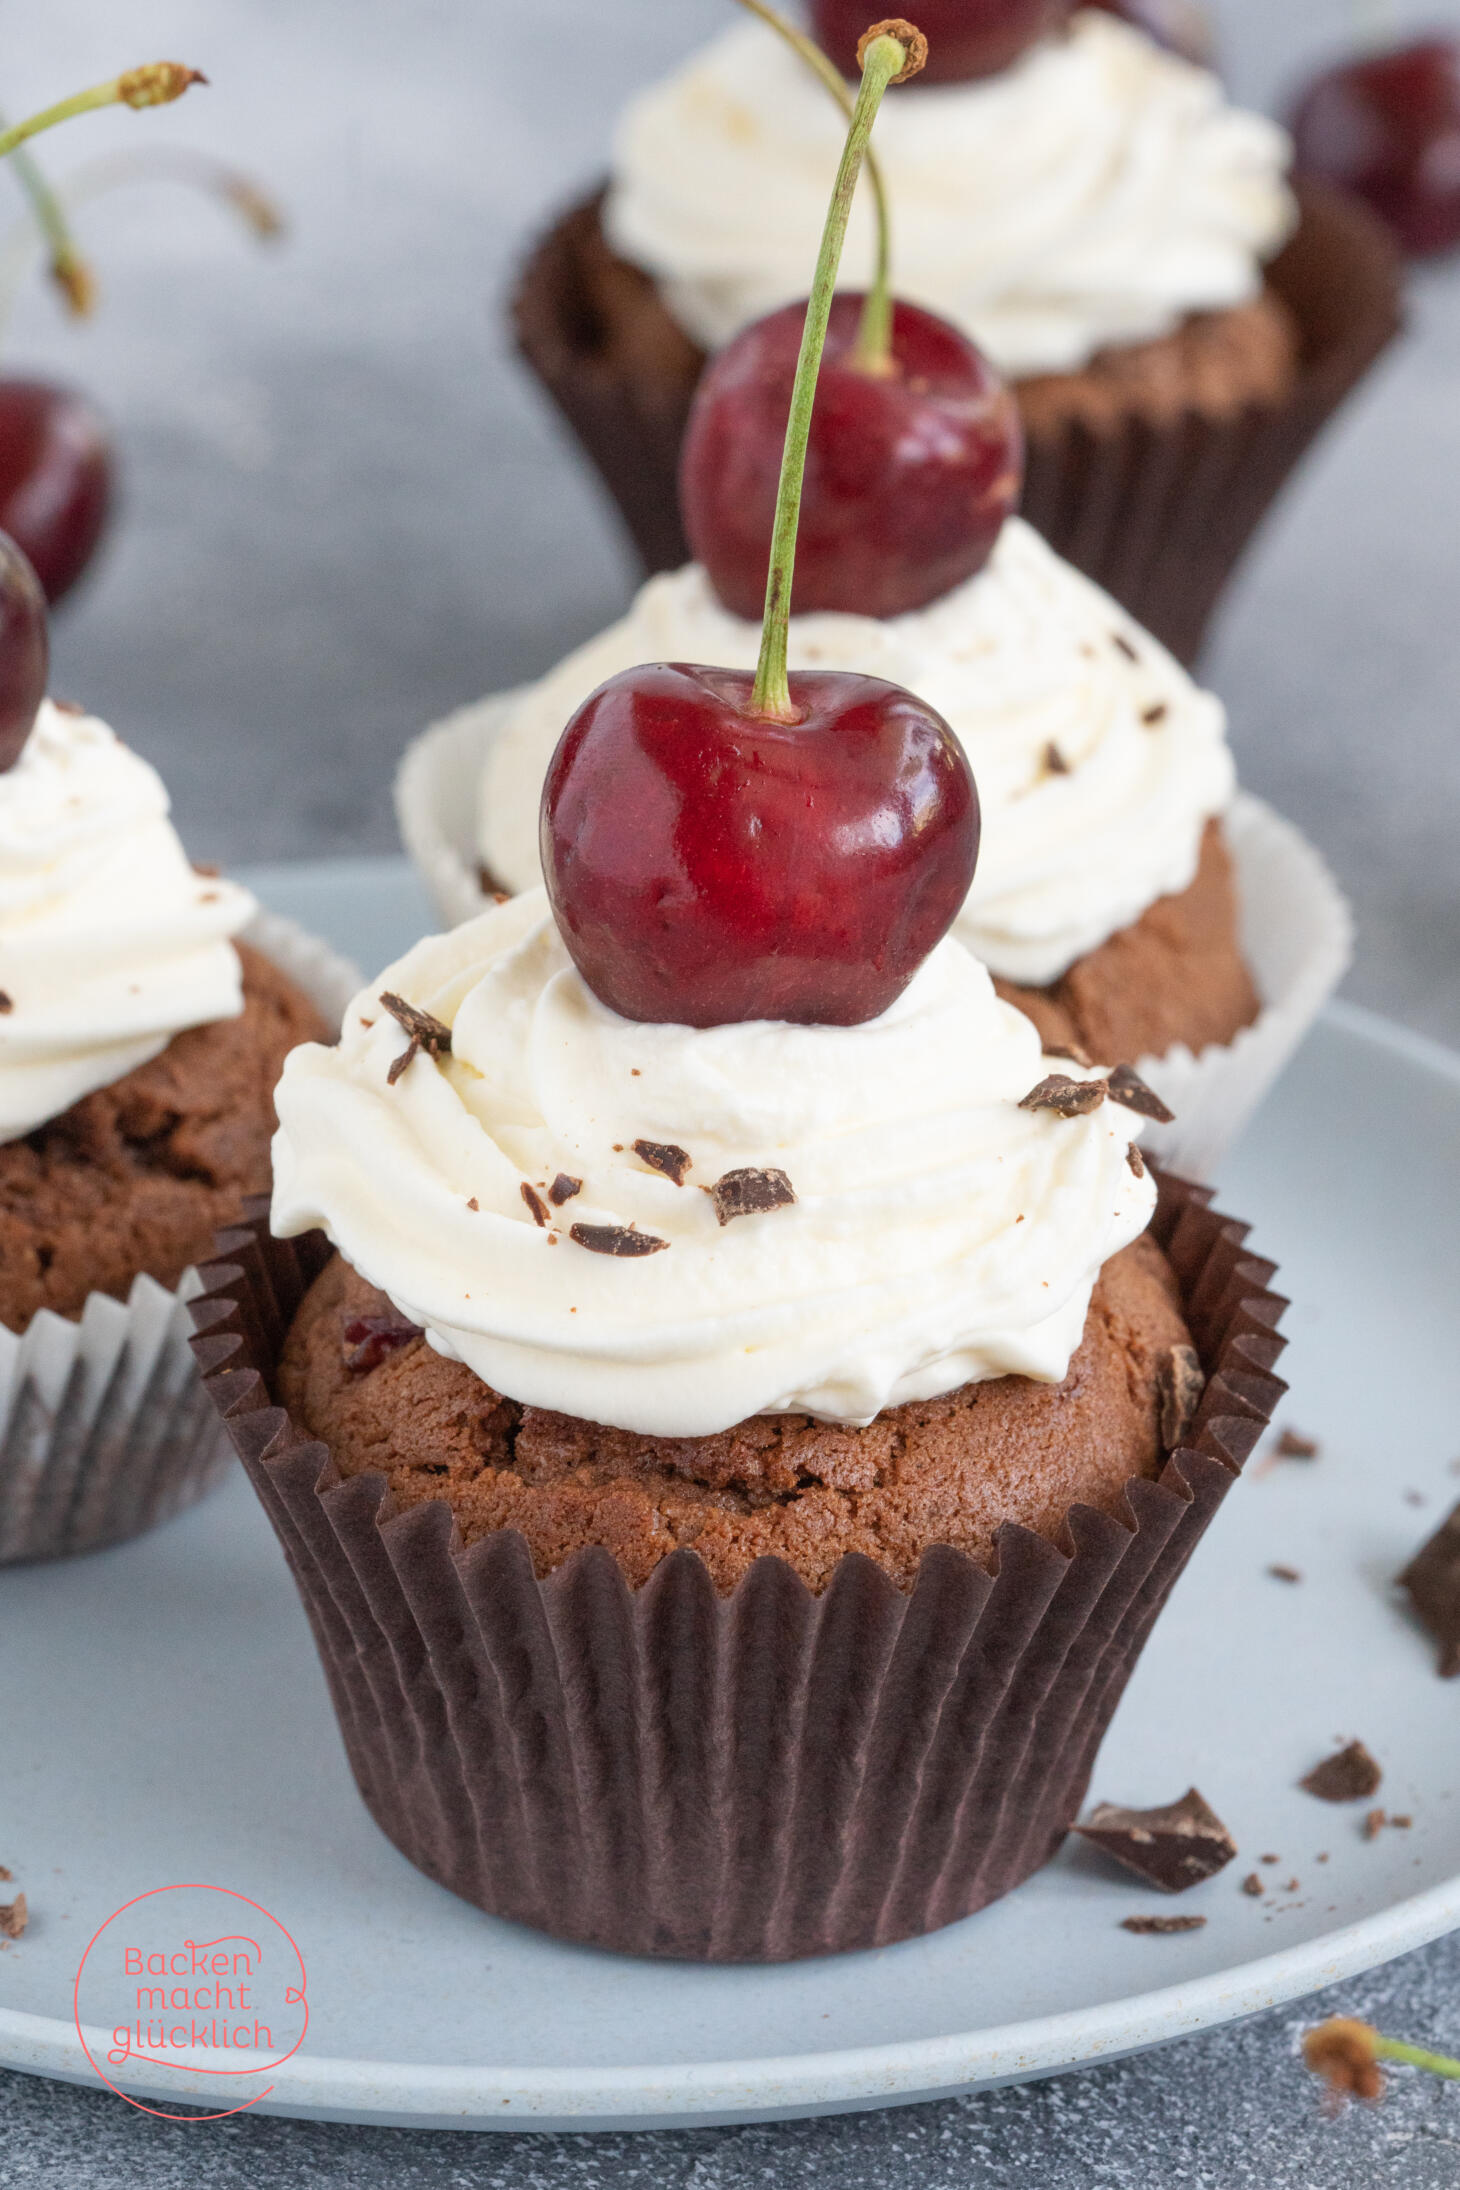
column 720, row 848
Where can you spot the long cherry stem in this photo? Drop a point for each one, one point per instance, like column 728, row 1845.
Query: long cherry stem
column 69, row 270
column 872, row 350
column 884, row 59
column 155, row 84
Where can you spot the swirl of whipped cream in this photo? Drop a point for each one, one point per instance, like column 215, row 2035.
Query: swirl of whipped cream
column 1098, row 761
column 1096, row 193
column 939, row 1235
column 110, row 943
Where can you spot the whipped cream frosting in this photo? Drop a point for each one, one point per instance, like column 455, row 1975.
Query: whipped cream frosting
column 110, row 943
column 1098, row 761
column 1096, row 193
column 939, row 1234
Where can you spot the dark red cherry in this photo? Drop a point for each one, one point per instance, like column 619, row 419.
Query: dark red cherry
column 1388, row 127
column 1181, row 26
column 55, row 479
column 25, row 651
column 908, row 477
column 966, row 38
column 706, row 866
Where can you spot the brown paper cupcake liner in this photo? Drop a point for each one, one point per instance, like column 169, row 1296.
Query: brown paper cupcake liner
column 754, row 1777
column 1157, row 512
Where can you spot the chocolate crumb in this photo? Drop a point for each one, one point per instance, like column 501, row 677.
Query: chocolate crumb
column 4, row 1874
column 1402, row 1823
column 748, row 1192
column 1173, row 1847
column 615, row 1239
column 1136, row 1160
column 474, row 1204
column 7, row 1002
column 1347, row 1776
column 1432, row 1580
column 635, row 1073
column 1323, row 1858
column 426, row 1033
column 1073, row 1052
column 1292, row 1445
column 1292, row 1885
column 1150, row 716
column 1162, row 1923
column 1066, row 1097
column 1269, row 1859
column 1123, row 645
column 1285, row 1574
column 618, row 1148
column 14, row 1916
column 1055, row 763
column 1374, row 1824
column 208, row 868
column 1126, row 1087
column 1252, row 1884
column 68, row 707
column 535, row 1203
column 368, row 1339
column 1414, row 1498
column 666, row 1157
column 563, row 1189
column 1180, row 1382
column 488, row 885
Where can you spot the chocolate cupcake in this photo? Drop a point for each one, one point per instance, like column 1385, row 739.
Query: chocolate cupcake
column 139, row 1047
column 730, row 1471
column 1122, row 244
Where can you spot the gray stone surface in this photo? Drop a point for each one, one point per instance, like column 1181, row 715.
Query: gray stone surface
column 346, row 512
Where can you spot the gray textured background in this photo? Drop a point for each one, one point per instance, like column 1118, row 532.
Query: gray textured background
column 347, row 512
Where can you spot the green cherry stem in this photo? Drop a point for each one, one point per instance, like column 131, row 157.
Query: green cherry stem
column 872, row 351
column 888, row 58
column 69, row 270
column 157, row 83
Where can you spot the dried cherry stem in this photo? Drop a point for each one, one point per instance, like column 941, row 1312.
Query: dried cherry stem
column 872, row 350
column 156, row 83
column 1346, row 2054
column 894, row 53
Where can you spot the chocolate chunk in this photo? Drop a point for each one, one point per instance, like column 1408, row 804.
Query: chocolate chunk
column 14, row 1916
column 1150, row 716
column 1136, row 1160
column 1285, row 1574
column 535, row 1203
column 664, row 1156
column 615, row 1239
column 1347, row 1776
column 7, row 1003
column 426, row 1033
column 1252, row 1884
column 1180, row 1382
column 1162, row 1923
column 1173, row 1847
column 1073, row 1052
column 747, row 1193
column 1066, row 1097
column 368, row 1339
column 1432, row 1579
column 1128, row 1088
column 1055, row 763
column 563, row 1189
column 1293, row 1446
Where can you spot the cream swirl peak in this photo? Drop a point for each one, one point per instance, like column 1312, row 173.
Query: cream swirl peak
column 110, row 943
column 939, row 1233
column 1096, row 193
column 1098, row 761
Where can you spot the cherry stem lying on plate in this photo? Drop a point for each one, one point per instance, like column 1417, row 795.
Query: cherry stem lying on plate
column 894, row 54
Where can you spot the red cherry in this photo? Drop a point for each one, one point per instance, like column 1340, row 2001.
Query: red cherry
column 909, row 476
column 966, row 38
column 55, row 479
column 708, row 866
column 1388, row 128
column 25, row 651
column 1181, row 26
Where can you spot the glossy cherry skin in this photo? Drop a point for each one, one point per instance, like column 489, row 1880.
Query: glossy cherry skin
column 706, row 867
column 966, row 38
column 1181, row 26
column 1388, row 128
column 55, row 479
column 25, row 651
column 908, row 477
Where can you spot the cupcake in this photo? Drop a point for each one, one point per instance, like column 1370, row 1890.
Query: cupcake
column 1177, row 323
column 1124, row 897
column 140, row 1040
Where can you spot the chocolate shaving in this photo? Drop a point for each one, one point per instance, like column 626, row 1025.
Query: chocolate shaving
column 1055, row 763
column 1123, row 645
column 1162, row 1923
column 1180, row 1382
column 1066, row 1097
column 1292, row 1445
column 666, row 1157
column 535, row 1203
column 1136, row 1160
column 1285, row 1574
column 747, row 1193
column 615, row 1239
column 1128, row 1088
column 426, row 1033
column 368, row 1339
column 1150, row 716
column 563, row 1189
column 1173, row 1847
column 7, row 1002
column 68, row 707
column 1347, row 1776
column 1072, row 1051
column 1432, row 1579
column 14, row 1916
column 1252, row 1884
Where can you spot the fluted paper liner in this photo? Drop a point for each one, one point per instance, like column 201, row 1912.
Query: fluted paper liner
column 1296, row 932
column 105, row 1429
column 1157, row 512
column 754, row 1777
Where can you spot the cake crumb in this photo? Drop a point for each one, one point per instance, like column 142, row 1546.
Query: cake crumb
column 1252, row 1884
column 14, row 1916
column 1347, row 1776
column 1153, row 1924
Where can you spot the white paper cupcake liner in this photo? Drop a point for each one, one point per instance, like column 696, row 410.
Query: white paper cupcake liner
column 1297, row 933
column 105, row 1428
